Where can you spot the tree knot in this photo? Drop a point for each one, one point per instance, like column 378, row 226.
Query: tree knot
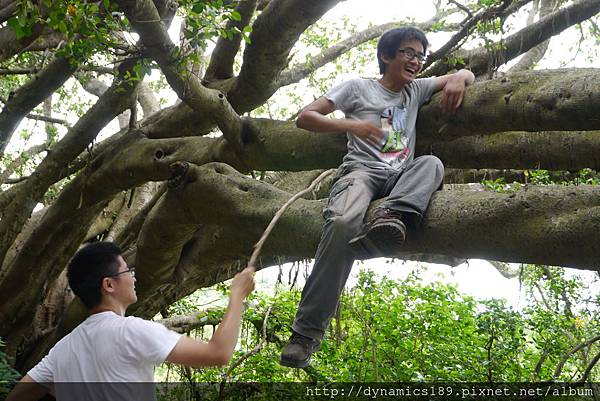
column 178, row 173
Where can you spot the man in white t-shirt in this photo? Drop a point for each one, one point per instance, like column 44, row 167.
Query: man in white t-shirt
column 380, row 118
column 112, row 357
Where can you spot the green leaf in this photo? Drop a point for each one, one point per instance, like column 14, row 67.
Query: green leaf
column 198, row 8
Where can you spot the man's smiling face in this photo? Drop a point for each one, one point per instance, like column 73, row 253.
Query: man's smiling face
column 405, row 66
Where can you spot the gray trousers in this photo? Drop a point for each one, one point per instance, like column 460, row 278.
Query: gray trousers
column 408, row 190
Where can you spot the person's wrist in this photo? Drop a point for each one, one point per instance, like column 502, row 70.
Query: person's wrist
column 349, row 124
column 236, row 296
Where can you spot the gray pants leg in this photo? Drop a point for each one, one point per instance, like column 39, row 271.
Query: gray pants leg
column 410, row 192
column 349, row 199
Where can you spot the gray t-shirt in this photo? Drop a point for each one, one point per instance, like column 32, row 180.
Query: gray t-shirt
column 395, row 112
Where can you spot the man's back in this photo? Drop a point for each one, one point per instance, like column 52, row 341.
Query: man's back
column 106, row 348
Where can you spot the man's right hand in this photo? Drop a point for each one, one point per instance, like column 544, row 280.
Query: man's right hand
column 368, row 131
column 243, row 283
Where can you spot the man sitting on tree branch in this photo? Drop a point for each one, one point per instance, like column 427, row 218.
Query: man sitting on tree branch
column 380, row 119
column 112, row 357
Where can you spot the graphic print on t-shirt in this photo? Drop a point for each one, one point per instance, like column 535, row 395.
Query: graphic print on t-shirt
column 393, row 123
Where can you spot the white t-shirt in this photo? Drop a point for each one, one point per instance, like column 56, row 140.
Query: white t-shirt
column 106, row 348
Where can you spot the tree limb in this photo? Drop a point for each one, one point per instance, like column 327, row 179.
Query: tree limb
column 528, row 101
column 466, row 28
column 550, row 150
column 572, row 351
column 478, row 60
column 275, row 32
column 536, row 53
column 221, row 60
column 24, row 99
column 144, row 18
column 10, row 45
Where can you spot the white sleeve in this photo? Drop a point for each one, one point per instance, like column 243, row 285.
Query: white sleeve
column 43, row 372
column 148, row 341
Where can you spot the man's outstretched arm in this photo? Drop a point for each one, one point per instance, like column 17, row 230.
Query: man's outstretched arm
column 218, row 351
column 27, row 390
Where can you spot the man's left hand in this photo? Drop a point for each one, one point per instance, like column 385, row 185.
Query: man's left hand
column 453, row 94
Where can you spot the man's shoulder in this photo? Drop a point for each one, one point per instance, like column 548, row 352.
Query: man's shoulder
column 359, row 82
column 420, row 83
column 137, row 323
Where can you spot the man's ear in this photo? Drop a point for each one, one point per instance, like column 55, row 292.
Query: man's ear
column 107, row 284
column 385, row 58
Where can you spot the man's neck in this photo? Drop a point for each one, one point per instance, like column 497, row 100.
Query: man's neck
column 391, row 84
column 117, row 309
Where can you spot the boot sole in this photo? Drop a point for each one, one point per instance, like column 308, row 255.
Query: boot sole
column 379, row 240
column 294, row 363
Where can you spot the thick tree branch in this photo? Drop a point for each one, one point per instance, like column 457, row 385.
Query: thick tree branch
column 7, row 11
column 221, row 60
column 534, row 55
column 145, row 19
column 147, row 100
column 527, row 101
column 532, row 101
column 24, row 99
column 10, row 45
column 550, row 150
column 275, row 32
column 46, row 41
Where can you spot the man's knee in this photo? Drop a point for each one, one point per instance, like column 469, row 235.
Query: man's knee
column 431, row 162
column 344, row 225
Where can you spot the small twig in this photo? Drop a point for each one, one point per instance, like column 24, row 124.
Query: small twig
column 588, row 370
column 254, row 350
column 462, row 7
column 248, row 354
column 18, row 71
column 48, row 119
column 261, row 241
column 559, row 367
column 15, row 180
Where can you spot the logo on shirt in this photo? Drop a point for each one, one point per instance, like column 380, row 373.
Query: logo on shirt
column 393, row 123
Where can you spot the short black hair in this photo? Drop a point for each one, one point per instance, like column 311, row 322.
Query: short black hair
column 390, row 40
column 88, row 267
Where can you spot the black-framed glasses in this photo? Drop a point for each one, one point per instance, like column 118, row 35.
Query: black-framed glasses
column 410, row 54
column 131, row 272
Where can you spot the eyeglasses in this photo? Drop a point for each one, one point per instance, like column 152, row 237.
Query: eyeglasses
column 131, row 272
column 410, row 54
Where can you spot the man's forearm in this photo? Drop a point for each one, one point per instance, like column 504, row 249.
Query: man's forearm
column 227, row 333
column 27, row 390
column 314, row 121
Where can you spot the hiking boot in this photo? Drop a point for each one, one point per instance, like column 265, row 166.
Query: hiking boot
column 381, row 236
column 296, row 354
